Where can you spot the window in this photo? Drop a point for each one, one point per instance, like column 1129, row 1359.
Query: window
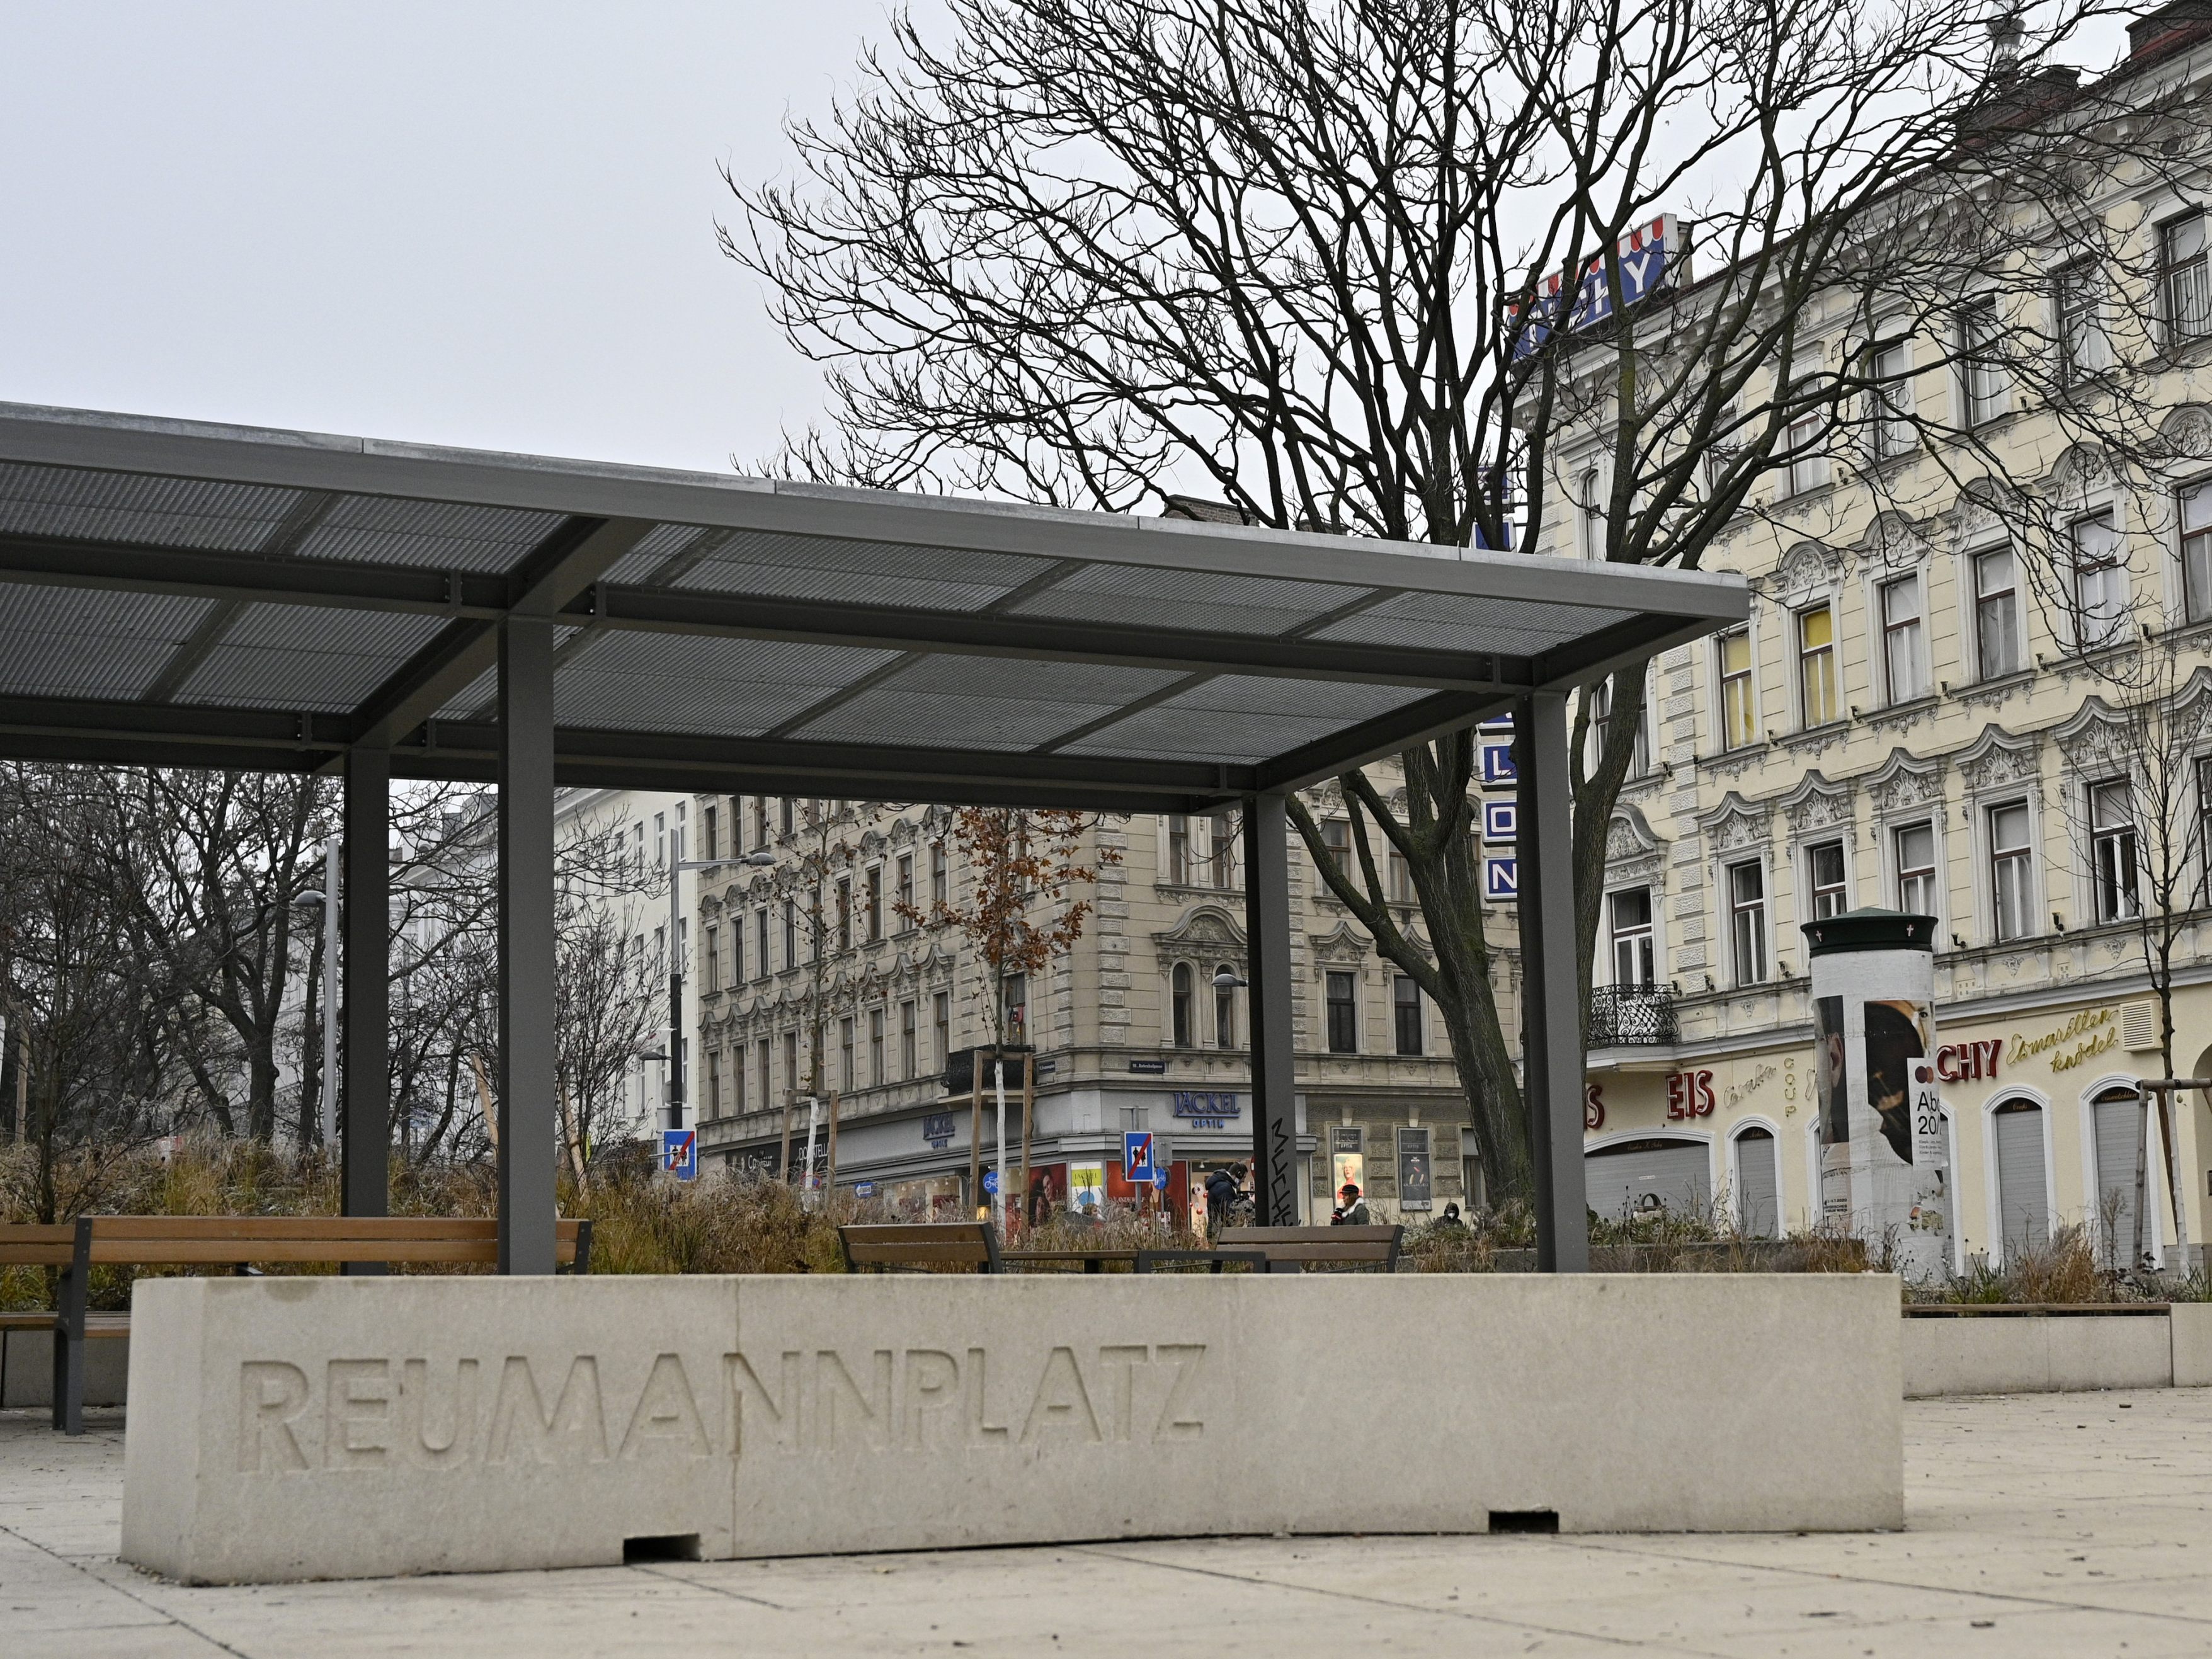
column 711, row 967
column 1179, row 999
column 660, row 840
column 760, row 822
column 760, row 939
column 1904, row 648
column 713, row 827
column 874, row 890
column 1824, row 872
column 737, row 1054
column 1891, row 369
column 1178, row 871
column 1916, row 869
column 1997, row 613
column 936, row 880
column 1747, row 889
column 1405, row 1014
column 1816, row 665
column 2078, row 301
column 1803, row 440
column 902, row 893
column 1401, row 877
column 1629, row 917
column 791, row 1078
column 1343, row 1013
column 1224, row 1008
column 767, row 1088
column 1336, row 835
column 940, row 1010
column 2205, row 826
column 1221, row 850
column 786, row 818
column 2112, row 852
column 875, row 1048
column 907, row 1056
column 2010, row 871
column 713, row 1082
column 2100, row 581
column 2197, row 551
column 1016, row 1004
column 2184, row 291
column 1589, row 514
column 790, row 933
column 1739, row 716
column 1985, row 387
column 845, row 1081
column 1601, row 723
column 844, row 913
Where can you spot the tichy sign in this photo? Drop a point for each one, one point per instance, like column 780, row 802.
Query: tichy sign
column 1650, row 256
column 679, row 1153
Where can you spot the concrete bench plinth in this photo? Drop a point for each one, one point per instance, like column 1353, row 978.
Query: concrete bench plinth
column 291, row 1429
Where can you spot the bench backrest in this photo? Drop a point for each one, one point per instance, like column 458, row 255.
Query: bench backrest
column 920, row 1245
column 1320, row 1246
column 182, row 1241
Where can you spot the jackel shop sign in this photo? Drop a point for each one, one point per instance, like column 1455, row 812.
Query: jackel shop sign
column 1204, row 1110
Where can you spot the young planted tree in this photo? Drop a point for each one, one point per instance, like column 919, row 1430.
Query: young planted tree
column 1298, row 258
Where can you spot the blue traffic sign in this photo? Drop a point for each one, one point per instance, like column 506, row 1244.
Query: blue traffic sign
column 679, row 1153
column 991, row 1182
column 1137, row 1156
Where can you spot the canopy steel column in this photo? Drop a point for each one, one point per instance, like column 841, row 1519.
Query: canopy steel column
column 365, row 1177
column 526, row 1152
column 1551, row 993
column 1274, row 1068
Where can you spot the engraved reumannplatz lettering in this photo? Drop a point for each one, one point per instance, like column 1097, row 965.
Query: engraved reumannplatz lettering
column 499, row 1410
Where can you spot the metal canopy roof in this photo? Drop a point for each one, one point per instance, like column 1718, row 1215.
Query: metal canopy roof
column 187, row 594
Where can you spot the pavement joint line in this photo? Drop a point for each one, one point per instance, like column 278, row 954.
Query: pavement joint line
column 1468, row 1614
column 128, row 1594
column 710, row 1587
column 2044, row 1602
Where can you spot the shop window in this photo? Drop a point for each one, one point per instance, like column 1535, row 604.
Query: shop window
column 1405, row 1010
column 1343, row 1013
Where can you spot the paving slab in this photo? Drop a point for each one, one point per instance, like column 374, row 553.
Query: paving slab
column 2043, row 1524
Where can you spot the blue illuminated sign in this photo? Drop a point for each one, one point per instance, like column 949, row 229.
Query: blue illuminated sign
column 1649, row 255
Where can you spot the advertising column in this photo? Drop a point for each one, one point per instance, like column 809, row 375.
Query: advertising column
column 1882, row 1174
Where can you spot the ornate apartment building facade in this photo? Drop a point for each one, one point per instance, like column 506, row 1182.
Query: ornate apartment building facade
column 1917, row 719
column 1141, row 1027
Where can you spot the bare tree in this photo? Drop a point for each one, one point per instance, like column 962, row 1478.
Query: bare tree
column 1301, row 259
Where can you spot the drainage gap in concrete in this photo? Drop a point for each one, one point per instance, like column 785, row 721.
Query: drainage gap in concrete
column 1524, row 1521
column 683, row 1547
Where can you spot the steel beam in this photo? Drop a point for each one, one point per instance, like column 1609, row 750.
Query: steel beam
column 1274, row 1066
column 1550, row 989
column 526, row 1002
column 366, row 1137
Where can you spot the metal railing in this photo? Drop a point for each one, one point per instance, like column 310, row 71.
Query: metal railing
column 1627, row 1015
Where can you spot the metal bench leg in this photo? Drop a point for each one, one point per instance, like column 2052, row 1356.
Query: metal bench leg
column 69, row 1333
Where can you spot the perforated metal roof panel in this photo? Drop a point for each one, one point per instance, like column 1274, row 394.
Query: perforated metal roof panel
column 173, row 592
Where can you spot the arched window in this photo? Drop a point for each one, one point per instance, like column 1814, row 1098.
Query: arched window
column 1180, row 998
column 1224, row 1008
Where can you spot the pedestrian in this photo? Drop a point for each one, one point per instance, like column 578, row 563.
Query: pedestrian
column 1221, row 1197
column 1449, row 1221
column 1351, row 1208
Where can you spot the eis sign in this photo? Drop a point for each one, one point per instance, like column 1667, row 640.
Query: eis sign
column 1649, row 255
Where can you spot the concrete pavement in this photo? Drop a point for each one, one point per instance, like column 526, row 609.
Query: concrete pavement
column 2058, row 1524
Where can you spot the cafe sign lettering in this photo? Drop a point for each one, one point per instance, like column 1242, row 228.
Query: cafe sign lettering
column 1969, row 1062
column 2089, row 1033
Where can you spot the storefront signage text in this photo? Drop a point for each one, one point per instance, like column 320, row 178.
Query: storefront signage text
column 1969, row 1062
column 936, row 1130
column 2091, row 1032
column 1690, row 1094
column 1206, row 1111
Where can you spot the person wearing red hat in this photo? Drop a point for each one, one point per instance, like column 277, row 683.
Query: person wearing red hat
column 1351, row 1208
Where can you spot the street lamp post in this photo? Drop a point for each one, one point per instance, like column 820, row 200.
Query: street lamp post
column 328, row 898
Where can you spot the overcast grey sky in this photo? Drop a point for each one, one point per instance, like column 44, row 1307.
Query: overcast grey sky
column 488, row 224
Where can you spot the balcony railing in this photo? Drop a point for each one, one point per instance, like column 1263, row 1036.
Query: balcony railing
column 1631, row 1016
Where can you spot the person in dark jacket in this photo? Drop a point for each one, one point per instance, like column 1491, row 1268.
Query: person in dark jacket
column 1222, row 1189
column 1351, row 1209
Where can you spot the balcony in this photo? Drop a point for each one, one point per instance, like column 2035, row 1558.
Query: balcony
column 1631, row 1016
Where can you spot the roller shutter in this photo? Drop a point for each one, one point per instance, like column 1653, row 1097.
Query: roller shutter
column 2119, row 1149
column 1757, row 1186
column 1642, row 1174
column 2021, row 1193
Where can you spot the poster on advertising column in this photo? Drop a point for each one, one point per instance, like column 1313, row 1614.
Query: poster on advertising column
column 1832, row 1090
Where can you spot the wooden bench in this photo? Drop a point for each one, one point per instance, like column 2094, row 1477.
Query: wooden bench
column 1152, row 1261
column 912, row 1245
column 1292, row 1249
column 240, row 1242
